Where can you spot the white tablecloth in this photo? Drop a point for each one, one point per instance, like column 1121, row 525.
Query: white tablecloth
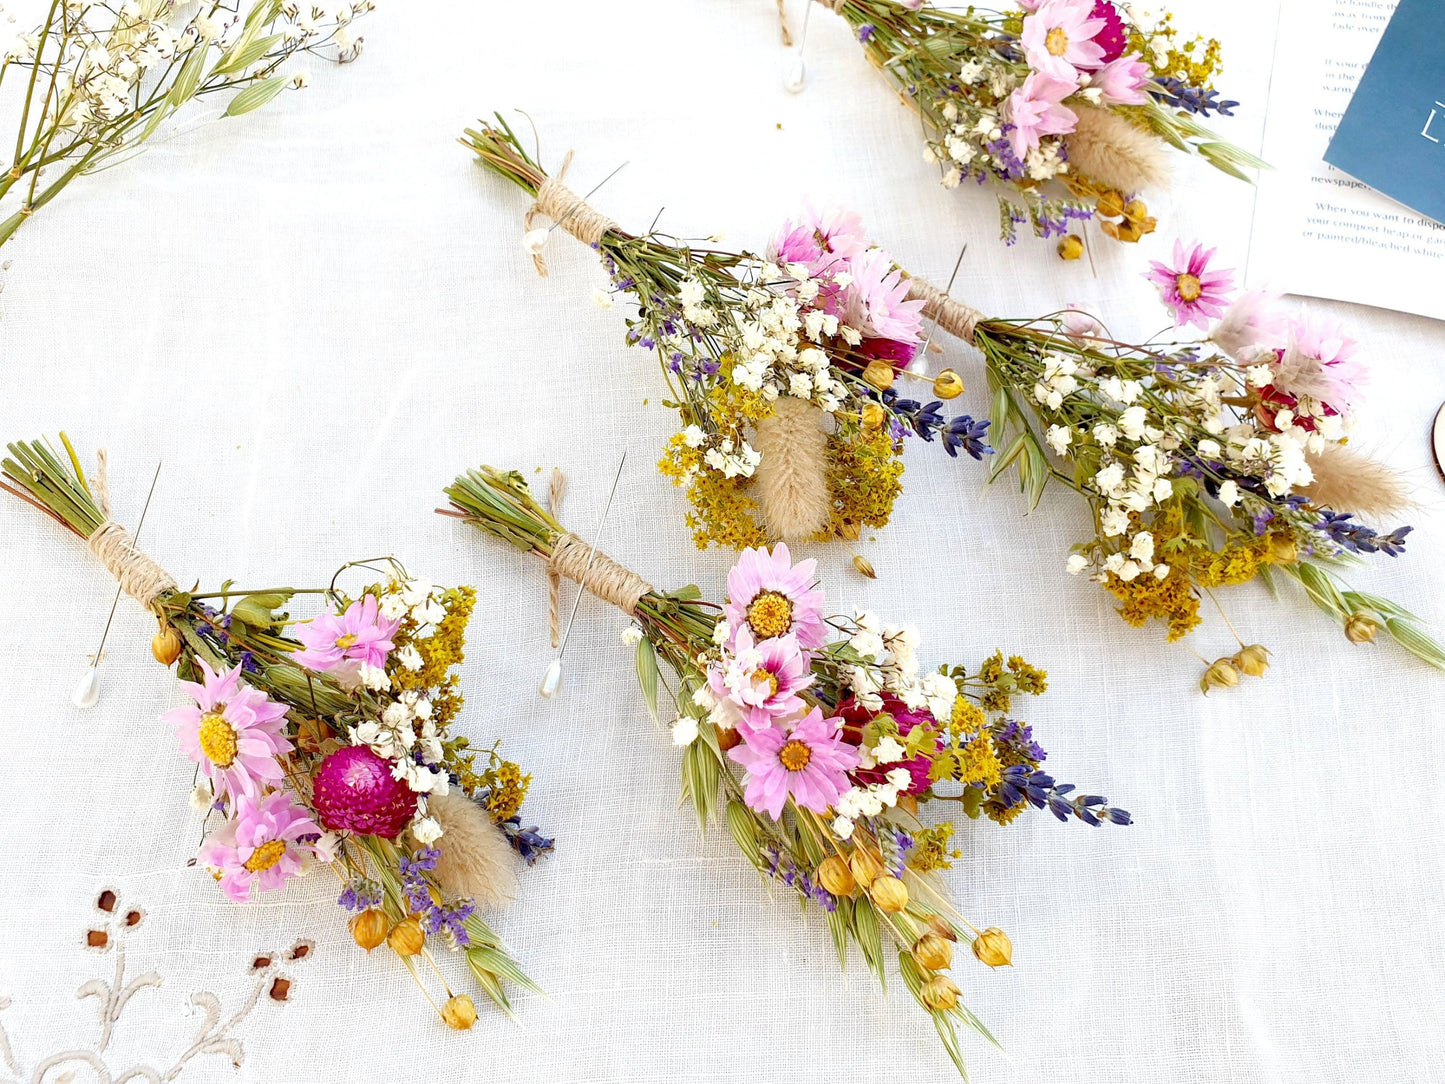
column 318, row 314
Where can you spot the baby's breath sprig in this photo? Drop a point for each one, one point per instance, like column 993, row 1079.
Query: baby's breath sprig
column 96, row 80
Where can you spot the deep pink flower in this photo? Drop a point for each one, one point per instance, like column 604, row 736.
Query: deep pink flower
column 1192, row 292
column 900, row 354
column 359, row 635
column 1122, row 81
column 855, row 717
column 354, row 790
column 808, row 762
column 772, row 597
column 1034, row 110
column 234, row 732
column 762, row 680
column 878, row 304
column 260, row 846
column 1058, row 39
column 1114, row 38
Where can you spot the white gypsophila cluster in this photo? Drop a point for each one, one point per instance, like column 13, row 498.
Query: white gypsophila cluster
column 775, row 341
column 1137, row 466
column 869, row 801
column 405, row 732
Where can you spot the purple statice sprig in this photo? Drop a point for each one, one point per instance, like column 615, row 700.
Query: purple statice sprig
column 1357, row 538
column 783, row 869
column 360, row 894
column 1022, row 782
column 416, row 890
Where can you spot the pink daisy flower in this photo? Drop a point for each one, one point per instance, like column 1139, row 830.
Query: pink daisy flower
column 359, row 635
column 234, row 732
column 259, row 847
column 1058, row 39
column 1034, row 110
column 1319, row 363
column 1122, row 81
column 762, row 680
column 878, row 304
column 808, row 763
column 772, row 597
column 1192, row 292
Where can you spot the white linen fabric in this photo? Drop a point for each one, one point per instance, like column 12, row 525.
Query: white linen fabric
column 318, row 314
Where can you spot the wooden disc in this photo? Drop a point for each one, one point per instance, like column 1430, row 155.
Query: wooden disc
column 1437, row 441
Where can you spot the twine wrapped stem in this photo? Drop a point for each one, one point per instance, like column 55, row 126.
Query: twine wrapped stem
column 566, row 209
column 606, row 579
column 139, row 576
column 954, row 317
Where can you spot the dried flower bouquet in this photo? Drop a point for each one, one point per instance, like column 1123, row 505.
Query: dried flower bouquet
column 820, row 742
column 326, row 743
column 1071, row 105
column 781, row 366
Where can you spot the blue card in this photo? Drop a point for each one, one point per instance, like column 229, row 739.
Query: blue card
column 1393, row 133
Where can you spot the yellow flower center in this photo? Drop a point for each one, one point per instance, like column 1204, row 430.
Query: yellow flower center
column 218, row 739
column 266, row 855
column 768, row 678
column 795, row 755
column 1188, row 287
column 346, row 641
column 1057, row 42
column 770, row 615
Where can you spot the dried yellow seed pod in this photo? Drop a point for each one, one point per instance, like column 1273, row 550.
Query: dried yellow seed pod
column 940, row 993
column 1071, row 247
column 865, row 566
column 1360, row 629
column 1252, row 660
column 1220, row 675
column 406, row 937
column 933, row 953
column 368, row 929
column 874, row 415
column 992, row 947
column 866, row 864
column 941, row 926
column 837, row 878
column 890, row 895
column 948, row 385
column 1282, row 549
column 880, row 374
column 1110, row 204
column 166, row 645
column 459, row 1013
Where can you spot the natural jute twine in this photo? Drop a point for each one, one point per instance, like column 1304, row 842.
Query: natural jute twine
column 140, row 577
column 606, row 579
column 566, row 209
column 954, row 317
column 554, row 578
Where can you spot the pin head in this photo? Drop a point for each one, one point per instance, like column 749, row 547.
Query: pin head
column 86, row 693
column 795, row 77
column 551, row 680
